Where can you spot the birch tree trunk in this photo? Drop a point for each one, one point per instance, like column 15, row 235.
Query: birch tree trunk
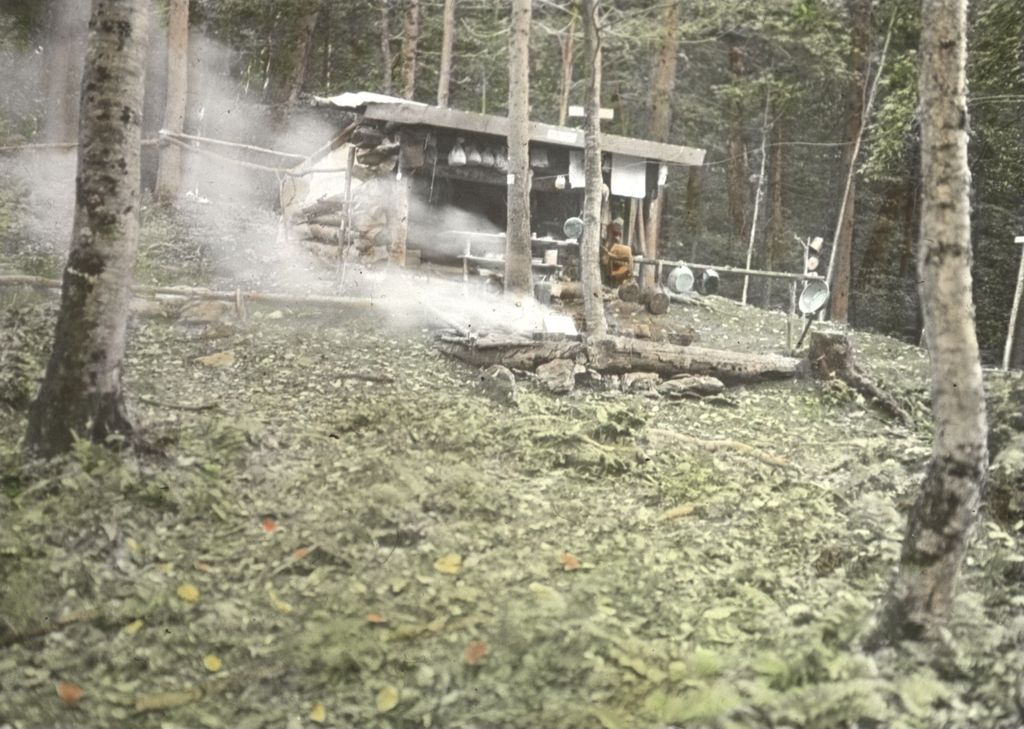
column 81, row 390
column 168, row 179
column 518, row 279
column 410, row 38
column 444, row 75
column 590, row 245
column 945, row 513
column 856, row 100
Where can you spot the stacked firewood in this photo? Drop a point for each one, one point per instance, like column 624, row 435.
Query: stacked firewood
column 323, row 223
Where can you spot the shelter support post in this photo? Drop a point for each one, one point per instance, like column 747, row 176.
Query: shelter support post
column 398, row 245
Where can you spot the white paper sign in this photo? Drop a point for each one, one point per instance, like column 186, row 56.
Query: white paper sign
column 577, row 177
column 629, row 176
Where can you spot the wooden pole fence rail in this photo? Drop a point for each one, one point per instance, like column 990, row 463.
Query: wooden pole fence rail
column 190, row 292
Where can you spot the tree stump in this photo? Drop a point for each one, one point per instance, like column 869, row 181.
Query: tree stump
column 831, row 355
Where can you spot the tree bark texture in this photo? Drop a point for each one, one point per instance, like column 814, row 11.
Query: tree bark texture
column 945, row 513
column 660, row 128
column 625, row 354
column 567, row 45
column 168, row 179
column 444, row 74
column 67, row 24
column 619, row 355
column 736, row 169
column 518, row 273
column 81, row 390
column 694, row 207
column 590, row 245
column 386, row 57
column 856, row 100
column 288, row 73
column 410, row 39
column 664, row 82
column 774, row 241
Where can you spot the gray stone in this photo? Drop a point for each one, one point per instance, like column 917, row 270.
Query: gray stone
column 499, row 384
column 558, row 376
column 690, row 385
column 640, row 382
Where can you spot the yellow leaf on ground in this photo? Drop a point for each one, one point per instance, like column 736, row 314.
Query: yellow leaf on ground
column 69, row 693
column 280, row 605
column 133, row 627
column 678, row 511
column 212, row 663
column 449, row 564
column 387, row 699
column 217, row 359
column 318, row 713
column 569, row 562
column 188, row 592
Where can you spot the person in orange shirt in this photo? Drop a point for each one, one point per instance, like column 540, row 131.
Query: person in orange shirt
column 616, row 257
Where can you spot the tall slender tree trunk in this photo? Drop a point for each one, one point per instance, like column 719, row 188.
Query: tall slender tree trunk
column 168, row 179
column 518, row 274
column 410, row 39
column 774, row 235
column 664, row 81
column 63, row 50
column 660, row 128
column 856, row 100
column 736, row 169
column 945, row 514
column 81, row 390
column 444, row 75
column 288, row 72
column 567, row 45
column 694, row 208
column 590, row 245
column 387, row 59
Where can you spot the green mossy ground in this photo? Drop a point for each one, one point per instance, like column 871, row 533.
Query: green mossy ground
column 747, row 611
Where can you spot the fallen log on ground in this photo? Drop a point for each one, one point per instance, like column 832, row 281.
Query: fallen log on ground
column 189, row 292
column 511, row 350
column 617, row 355
column 831, row 355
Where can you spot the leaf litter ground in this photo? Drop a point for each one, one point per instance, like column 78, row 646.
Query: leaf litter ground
column 303, row 546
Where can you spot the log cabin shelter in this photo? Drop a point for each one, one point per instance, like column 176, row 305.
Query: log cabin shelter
column 407, row 182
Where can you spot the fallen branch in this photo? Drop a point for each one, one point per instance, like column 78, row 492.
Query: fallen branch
column 190, row 292
column 727, row 444
column 234, row 145
column 831, row 355
column 58, row 146
column 177, row 406
column 225, row 158
column 79, row 616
